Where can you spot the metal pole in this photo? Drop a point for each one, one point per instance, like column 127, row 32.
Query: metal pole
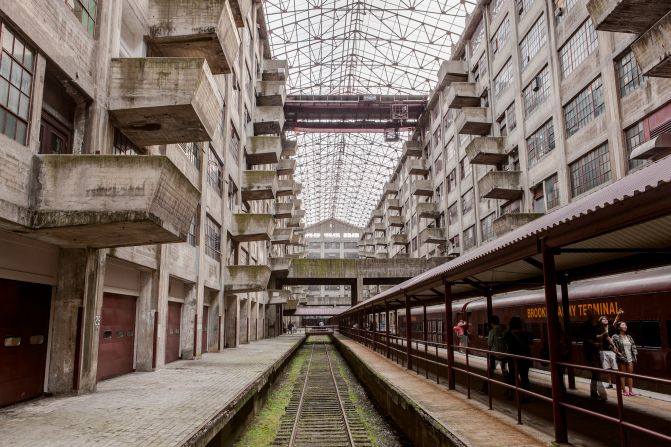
column 449, row 334
column 550, row 282
column 567, row 328
column 408, row 333
column 426, row 346
column 386, row 326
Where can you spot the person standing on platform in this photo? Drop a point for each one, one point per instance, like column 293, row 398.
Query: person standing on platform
column 591, row 334
column 627, row 357
column 497, row 344
column 518, row 342
column 608, row 351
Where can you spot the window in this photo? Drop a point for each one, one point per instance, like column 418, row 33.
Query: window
column 580, row 45
column 234, row 147
column 501, row 36
column 232, row 194
column 541, row 143
column 454, row 242
column 314, row 288
column 16, row 81
column 628, row 73
column 538, row 199
column 487, row 227
column 562, row 11
column 647, row 334
column 450, row 151
column 332, row 245
column 537, row 91
column 467, row 201
column 414, row 244
column 350, row 245
column 551, row 185
column 469, row 238
column 451, row 181
column 482, row 66
column 215, row 172
column 533, row 41
column 507, row 121
column 213, row 239
column 438, row 165
column 464, row 168
column 194, row 228
column 478, row 35
column 448, row 119
column 314, row 245
column 503, row 79
column 123, row 146
column 495, row 7
column 633, row 138
column 512, row 207
column 523, row 6
column 85, row 10
column 453, row 214
column 192, row 152
column 583, row 108
column 590, row 171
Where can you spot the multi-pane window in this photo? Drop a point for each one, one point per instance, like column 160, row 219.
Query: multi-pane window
column 495, row 7
column 583, row 108
column 450, row 151
column 537, row 91
column 580, row 45
column 478, row 35
column 469, row 237
column 17, row 64
column 215, row 171
column 194, row 227
column 503, row 79
column 467, row 201
column 538, row 204
column 511, row 207
column 541, row 143
column 564, row 7
column 232, row 194
column 123, row 146
column 501, row 36
column 634, row 137
column 507, row 121
column 452, row 181
column 192, row 152
column 448, row 119
column 482, row 66
column 85, row 10
column 590, row 171
column 523, row 6
column 453, row 214
column 234, row 147
column 533, row 41
column 212, row 238
column 487, row 227
column 628, row 73
column 551, row 186
column 464, row 168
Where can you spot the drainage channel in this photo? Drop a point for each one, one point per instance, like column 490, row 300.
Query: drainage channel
column 317, row 402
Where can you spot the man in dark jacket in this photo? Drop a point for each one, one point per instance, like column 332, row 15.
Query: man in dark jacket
column 591, row 334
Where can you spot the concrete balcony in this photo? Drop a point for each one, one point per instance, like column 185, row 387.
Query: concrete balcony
column 652, row 48
column 298, row 203
column 380, row 241
column 394, row 204
column 297, row 240
column 390, row 188
column 382, row 253
column 259, row 185
column 487, row 150
column 627, row 16
column 504, row 185
column 428, row 210
column 398, row 239
column 370, row 242
column 411, row 149
column 295, row 222
column 395, row 221
column 432, row 236
column 251, row 227
column 286, row 188
column 474, row 121
column 379, row 226
column 278, row 296
column 109, row 201
column 509, row 222
column 417, row 167
column 275, row 70
column 453, row 250
column 286, row 166
column 271, row 93
column 282, row 236
column 283, row 210
column 654, row 149
column 452, row 71
column 240, row 10
column 263, row 150
column 422, row 187
column 268, row 120
column 161, row 100
column 197, row 28
column 378, row 213
column 246, row 278
column 463, row 94
column 298, row 213
column 289, row 148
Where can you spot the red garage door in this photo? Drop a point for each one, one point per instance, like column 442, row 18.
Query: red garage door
column 24, row 324
column 206, row 314
column 173, row 335
column 117, row 336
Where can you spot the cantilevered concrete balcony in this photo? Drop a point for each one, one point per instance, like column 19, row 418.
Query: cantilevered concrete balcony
column 271, row 93
column 109, row 201
column 197, row 28
column 282, row 236
column 390, row 188
column 283, row 210
column 263, row 150
column 275, row 70
column 286, row 166
column 452, row 71
column 289, row 148
column 268, row 120
column 652, row 49
column 287, row 188
column 378, row 213
column 398, row 239
column 422, row 187
column 297, row 239
column 417, row 167
column 251, row 227
column 163, row 100
column 278, row 296
column 240, row 10
column 432, row 236
column 246, row 278
column 259, row 185
column 298, row 213
column 393, row 204
column 411, row 149
column 298, row 203
column 380, row 241
column 509, row 222
column 627, row 16
column 295, row 222
column 379, row 226
column 487, row 150
column 653, row 149
column 370, row 242
column 381, row 253
column 463, row 94
column 474, row 121
column 428, row 210
column 395, row 221
column 504, row 185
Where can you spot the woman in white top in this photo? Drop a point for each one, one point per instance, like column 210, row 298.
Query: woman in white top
column 627, row 356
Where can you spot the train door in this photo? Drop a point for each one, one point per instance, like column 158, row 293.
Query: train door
column 24, row 326
column 173, row 336
column 206, row 314
column 117, row 336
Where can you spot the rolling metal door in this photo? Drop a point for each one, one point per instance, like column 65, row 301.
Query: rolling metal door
column 173, row 336
column 206, row 313
column 24, row 325
column 117, row 336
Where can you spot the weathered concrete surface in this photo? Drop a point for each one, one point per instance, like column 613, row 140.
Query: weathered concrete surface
column 247, row 227
column 487, row 150
column 275, row 70
column 653, row 49
column 474, row 121
column 265, row 149
column 510, row 221
column 504, row 185
column 246, row 278
column 259, row 185
column 271, row 93
column 268, row 120
column 463, row 94
column 627, row 16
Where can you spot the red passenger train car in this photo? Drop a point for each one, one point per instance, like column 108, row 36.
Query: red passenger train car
column 644, row 296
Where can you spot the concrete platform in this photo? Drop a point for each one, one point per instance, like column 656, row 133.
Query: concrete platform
column 185, row 403
column 446, row 418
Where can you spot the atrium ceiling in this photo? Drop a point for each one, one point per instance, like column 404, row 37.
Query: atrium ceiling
column 355, row 47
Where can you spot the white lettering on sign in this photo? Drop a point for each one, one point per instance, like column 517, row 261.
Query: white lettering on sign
column 351, row 235
column 313, row 235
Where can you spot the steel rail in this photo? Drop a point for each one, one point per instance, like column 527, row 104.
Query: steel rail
column 342, row 407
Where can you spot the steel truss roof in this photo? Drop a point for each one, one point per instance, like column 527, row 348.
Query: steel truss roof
column 345, row 47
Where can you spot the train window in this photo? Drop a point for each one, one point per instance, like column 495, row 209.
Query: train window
column 575, row 331
column 36, row 339
column 12, row 341
column 646, row 334
column 482, row 330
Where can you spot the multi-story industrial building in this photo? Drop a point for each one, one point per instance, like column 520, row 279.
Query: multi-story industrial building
column 535, row 109
column 144, row 183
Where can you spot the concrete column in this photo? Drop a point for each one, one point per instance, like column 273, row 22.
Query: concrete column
column 186, row 334
column 161, row 308
column 221, row 342
column 147, row 302
column 244, row 319
column 231, row 321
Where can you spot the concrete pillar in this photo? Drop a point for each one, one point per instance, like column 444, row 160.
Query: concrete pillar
column 231, row 321
column 186, row 334
column 357, row 291
column 161, row 309
column 147, row 302
column 220, row 321
column 245, row 305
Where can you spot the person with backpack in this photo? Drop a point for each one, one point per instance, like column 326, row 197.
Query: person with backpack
column 518, row 342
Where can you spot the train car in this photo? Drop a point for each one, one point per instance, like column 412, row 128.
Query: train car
column 644, row 296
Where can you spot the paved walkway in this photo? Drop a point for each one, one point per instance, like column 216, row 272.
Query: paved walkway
column 162, row 408
column 469, row 421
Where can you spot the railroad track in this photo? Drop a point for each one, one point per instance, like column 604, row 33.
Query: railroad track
column 320, row 412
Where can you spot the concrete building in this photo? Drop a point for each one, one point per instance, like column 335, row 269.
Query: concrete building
column 540, row 104
column 145, row 181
